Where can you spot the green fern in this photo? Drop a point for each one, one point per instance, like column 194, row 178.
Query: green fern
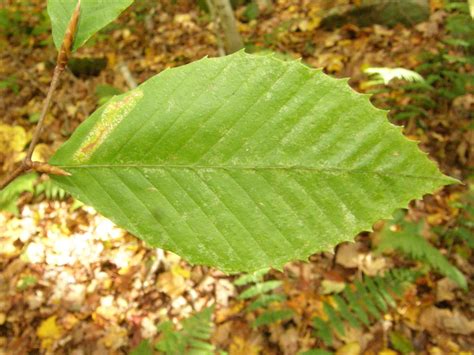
column 10, row 194
column 144, row 348
column 50, row 190
column 463, row 228
column 272, row 316
column 29, row 183
column 263, row 298
column 409, row 241
column 362, row 302
column 193, row 338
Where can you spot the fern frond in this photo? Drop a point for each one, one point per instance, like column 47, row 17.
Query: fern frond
column 10, row 194
column 193, row 338
column 272, row 316
column 410, row 242
column 355, row 306
column 361, row 301
column 171, row 341
column 379, row 285
column 50, row 190
column 334, row 319
column 368, row 300
column 376, row 294
column 346, row 312
column 144, row 348
column 323, row 330
column 264, row 301
column 259, row 289
column 264, row 298
column 254, row 277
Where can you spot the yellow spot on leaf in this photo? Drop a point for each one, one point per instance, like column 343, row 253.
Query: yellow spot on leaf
column 112, row 115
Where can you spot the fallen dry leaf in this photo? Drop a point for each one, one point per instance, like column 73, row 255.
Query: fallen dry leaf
column 444, row 290
column 348, row 255
column 438, row 320
column 48, row 331
column 349, row 349
column 241, row 346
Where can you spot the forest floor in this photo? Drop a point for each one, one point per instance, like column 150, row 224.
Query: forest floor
column 72, row 282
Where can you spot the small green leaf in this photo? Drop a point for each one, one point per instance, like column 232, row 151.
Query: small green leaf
column 10, row 83
column 253, row 277
column 259, row 289
column 26, row 282
column 95, row 15
column 251, row 11
column 244, row 162
column 105, row 92
column 264, row 301
column 34, row 117
column 401, row 343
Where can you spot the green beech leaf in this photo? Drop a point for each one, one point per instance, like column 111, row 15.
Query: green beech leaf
column 95, row 15
column 244, row 162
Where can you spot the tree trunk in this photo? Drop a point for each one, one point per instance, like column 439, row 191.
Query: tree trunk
column 217, row 32
column 225, row 16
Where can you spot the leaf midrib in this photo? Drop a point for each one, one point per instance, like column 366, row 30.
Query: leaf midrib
column 256, row 168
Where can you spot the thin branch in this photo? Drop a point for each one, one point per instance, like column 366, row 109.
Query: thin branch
column 12, row 176
column 61, row 62
column 63, row 56
column 39, row 127
column 48, row 169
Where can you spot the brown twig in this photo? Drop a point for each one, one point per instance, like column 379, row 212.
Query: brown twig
column 63, row 56
column 13, row 175
column 48, row 169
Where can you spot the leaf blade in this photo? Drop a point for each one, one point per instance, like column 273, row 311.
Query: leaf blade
column 244, row 162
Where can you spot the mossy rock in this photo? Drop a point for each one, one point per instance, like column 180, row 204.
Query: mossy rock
column 382, row 12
